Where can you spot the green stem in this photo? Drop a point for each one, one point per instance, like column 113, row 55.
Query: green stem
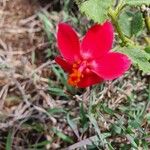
column 147, row 22
column 146, row 16
column 114, row 17
column 114, row 14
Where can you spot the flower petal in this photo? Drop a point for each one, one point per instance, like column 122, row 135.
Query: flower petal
column 65, row 65
column 112, row 65
column 89, row 79
column 68, row 42
column 98, row 40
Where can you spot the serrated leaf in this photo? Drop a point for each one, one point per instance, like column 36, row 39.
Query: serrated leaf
column 125, row 22
column 137, row 2
column 96, row 9
column 138, row 57
column 136, row 23
column 130, row 23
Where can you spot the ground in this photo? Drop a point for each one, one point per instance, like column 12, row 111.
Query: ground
column 38, row 110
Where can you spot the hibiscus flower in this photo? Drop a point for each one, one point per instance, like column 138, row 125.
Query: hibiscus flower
column 91, row 60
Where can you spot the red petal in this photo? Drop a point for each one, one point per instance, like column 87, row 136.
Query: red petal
column 89, row 79
column 98, row 40
column 65, row 65
column 68, row 42
column 112, row 65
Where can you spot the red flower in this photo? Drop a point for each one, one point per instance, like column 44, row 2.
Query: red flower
column 90, row 61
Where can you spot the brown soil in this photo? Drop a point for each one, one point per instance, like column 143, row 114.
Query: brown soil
column 16, row 29
column 21, row 34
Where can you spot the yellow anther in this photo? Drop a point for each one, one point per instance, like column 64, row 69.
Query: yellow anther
column 74, row 66
column 75, row 77
column 78, row 62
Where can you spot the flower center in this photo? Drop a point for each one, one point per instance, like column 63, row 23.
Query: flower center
column 79, row 68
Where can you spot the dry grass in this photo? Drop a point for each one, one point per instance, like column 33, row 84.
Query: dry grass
column 24, row 85
column 23, row 80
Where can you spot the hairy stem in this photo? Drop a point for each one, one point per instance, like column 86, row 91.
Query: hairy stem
column 114, row 19
column 147, row 21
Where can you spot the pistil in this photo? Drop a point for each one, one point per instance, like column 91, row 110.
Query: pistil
column 78, row 69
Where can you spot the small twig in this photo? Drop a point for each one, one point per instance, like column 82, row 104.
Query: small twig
column 39, row 46
column 25, row 99
column 49, row 62
column 33, row 17
column 26, row 20
column 88, row 141
column 3, row 94
column 18, row 30
column 45, row 112
column 24, row 96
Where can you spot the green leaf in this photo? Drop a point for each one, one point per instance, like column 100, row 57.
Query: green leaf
column 138, row 57
column 136, row 23
column 107, row 109
column 83, row 117
column 59, row 73
column 96, row 9
column 41, row 144
column 96, row 127
column 73, row 126
column 9, row 141
column 57, row 91
column 62, row 136
column 137, row 2
column 34, row 126
column 125, row 22
column 131, row 139
column 47, row 25
column 54, row 111
column 147, row 49
column 116, row 129
column 102, row 136
column 130, row 23
column 134, row 123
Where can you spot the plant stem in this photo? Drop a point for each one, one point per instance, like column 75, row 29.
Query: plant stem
column 118, row 29
column 146, row 16
column 147, row 21
column 114, row 17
